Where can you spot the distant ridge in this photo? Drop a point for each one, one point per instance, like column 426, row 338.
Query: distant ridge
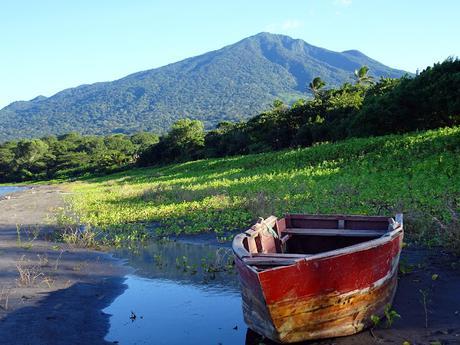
column 232, row 83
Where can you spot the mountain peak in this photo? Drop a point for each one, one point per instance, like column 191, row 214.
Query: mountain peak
column 232, row 83
column 268, row 36
column 38, row 98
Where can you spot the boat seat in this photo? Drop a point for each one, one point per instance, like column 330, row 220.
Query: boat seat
column 335, row 232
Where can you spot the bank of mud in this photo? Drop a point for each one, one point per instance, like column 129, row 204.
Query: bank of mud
column 50, row 292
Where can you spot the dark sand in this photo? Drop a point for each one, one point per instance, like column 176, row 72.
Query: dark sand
column 60, row 300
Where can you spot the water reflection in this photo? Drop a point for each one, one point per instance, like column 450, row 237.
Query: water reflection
column 10, row 189
column 185, row 263
column 176, row 297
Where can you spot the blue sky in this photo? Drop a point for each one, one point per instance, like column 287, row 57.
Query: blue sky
column 49, row 45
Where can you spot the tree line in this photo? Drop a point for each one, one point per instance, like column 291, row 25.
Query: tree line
column 365, row 108
column 70, row 155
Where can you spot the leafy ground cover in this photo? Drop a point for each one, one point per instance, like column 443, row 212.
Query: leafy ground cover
column 416, row 173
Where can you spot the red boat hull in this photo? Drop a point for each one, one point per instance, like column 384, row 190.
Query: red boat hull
column 326, row 295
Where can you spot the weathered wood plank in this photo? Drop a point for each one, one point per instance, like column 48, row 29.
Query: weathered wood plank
column 335, row 217
column 331, row 315
column 252, row 245
column 334, row 232
column 269, row 261
column 285, row 238
column 280, row 255
column 238, row 245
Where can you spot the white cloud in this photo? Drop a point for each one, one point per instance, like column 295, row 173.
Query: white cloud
column 344, row 3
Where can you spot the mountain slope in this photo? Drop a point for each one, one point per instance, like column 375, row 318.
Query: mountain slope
column 232, row 83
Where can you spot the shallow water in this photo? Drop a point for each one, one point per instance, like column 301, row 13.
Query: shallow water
column 176, row 298
column 10, row 189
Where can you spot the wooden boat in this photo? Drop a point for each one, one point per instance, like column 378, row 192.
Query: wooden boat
column 317, row 276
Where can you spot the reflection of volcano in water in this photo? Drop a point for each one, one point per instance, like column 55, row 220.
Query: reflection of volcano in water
column 183, row 263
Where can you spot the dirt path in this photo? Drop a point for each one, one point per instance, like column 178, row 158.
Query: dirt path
column 50, row 293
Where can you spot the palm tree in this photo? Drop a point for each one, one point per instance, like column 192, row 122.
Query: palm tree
column 362, row 76
column 316, row 85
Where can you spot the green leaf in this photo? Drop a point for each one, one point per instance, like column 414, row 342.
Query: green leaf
column 375, row 320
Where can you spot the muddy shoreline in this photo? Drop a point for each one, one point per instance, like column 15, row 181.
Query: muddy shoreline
column 50, row 293
column 62, row 298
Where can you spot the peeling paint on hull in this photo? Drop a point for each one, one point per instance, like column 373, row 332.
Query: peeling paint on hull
column 322, row 296
column 337, row 315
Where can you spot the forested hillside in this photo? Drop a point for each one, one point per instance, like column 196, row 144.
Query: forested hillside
column 229, row 84
column 368, row 107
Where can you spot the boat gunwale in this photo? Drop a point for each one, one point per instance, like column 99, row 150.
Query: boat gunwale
column 237, row 244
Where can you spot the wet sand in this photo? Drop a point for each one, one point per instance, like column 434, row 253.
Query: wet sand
column 62, row 291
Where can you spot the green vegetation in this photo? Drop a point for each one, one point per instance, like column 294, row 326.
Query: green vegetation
column 69, row 155
column 229, row 84
column 415, row 173
column 390, row 315
column 430, row 100
column 339, row 172
column 184, row 140
column 363, row 109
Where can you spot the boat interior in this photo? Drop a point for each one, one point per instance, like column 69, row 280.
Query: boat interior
column 280, row 242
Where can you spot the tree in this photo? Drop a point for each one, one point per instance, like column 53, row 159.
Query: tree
column 144, row 139
column 30, row 158
column 430, row 100
column 7, row 161
column 316, row 85
column 362, row 76
column 184, row 141
column 278, row 104
column 228, row 138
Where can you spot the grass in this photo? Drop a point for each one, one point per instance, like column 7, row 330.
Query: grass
column 417, row 173
column 4, row 298
column 34, row 273
column 29, row 274
column 27, row 235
